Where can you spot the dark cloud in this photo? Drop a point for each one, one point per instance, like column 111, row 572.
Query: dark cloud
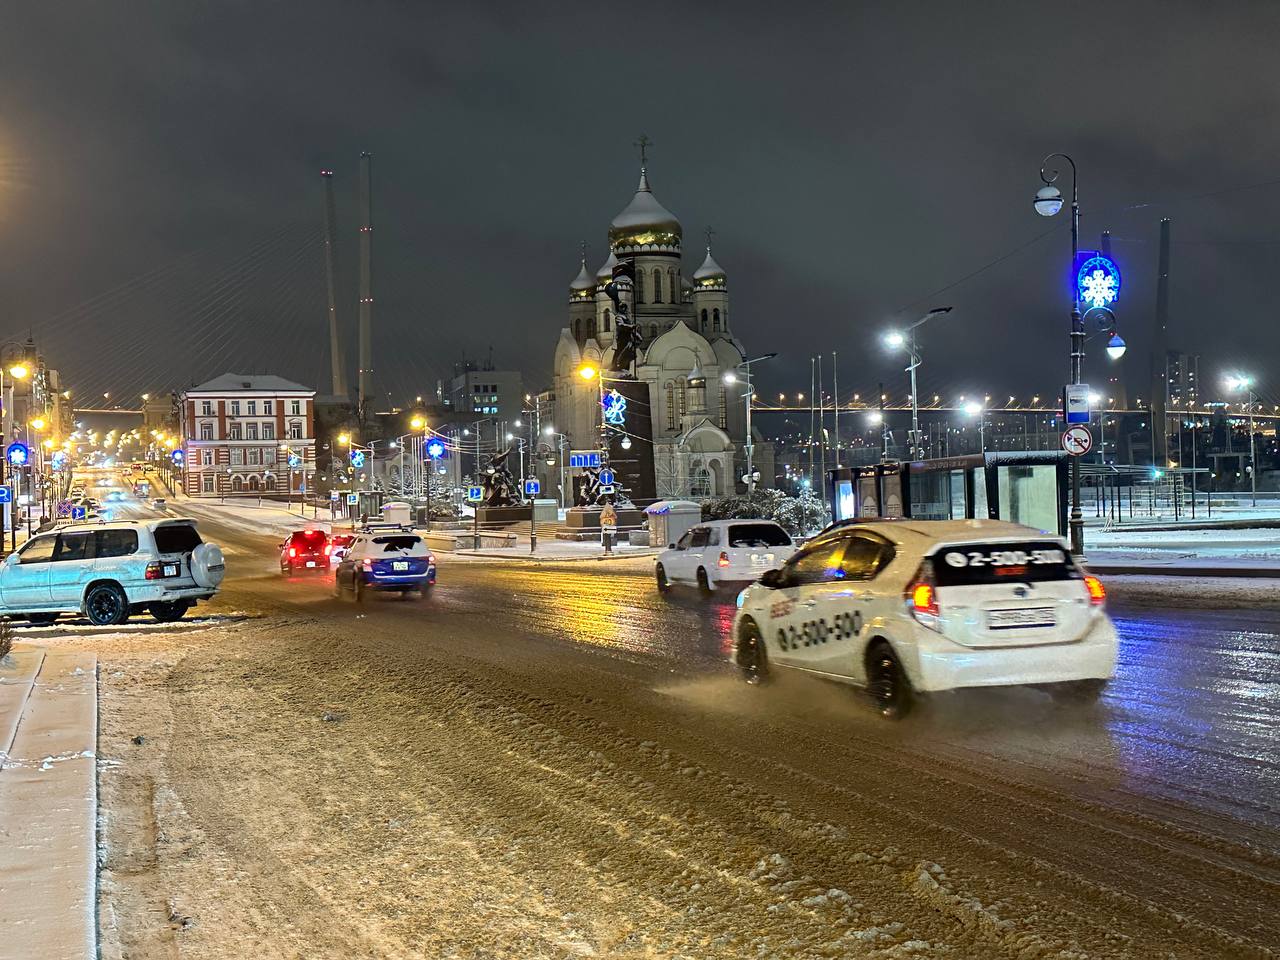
column 853, row 158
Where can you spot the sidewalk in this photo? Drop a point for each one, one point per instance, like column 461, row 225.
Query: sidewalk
column 48, row 804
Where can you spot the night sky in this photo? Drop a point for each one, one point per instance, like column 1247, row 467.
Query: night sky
column 160, row 201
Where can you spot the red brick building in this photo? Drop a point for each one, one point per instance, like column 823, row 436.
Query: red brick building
column 246, row 435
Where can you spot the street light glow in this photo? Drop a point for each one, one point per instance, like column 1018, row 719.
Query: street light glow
column 1048, row 200
column 730, row 377
column 344, row 439
column 587, row 372
column 894, row 339
column 19, row 371
column 1115, row 347
column 418, row 422
column 973, row 408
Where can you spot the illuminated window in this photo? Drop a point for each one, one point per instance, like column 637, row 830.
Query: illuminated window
column 206, row 457
column 671, row 404
column 640, row 287
column 657, row 286
column 724, row 411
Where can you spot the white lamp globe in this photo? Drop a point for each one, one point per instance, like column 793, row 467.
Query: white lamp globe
column 1115, row 347
column 1048, row 200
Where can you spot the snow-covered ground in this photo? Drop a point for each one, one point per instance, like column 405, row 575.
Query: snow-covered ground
column 1185, row 547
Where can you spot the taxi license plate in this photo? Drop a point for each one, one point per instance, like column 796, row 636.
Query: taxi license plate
column 311, row 563
column 400, row 565
column 1022, row 618
column 170, row 569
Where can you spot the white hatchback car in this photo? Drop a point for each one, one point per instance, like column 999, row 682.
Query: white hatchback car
column 910, row 606
column 108, row 571
column 723, row 552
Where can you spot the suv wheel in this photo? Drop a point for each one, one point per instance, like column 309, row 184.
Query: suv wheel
column 664, row 585
column 704, row 584
column 105, row 605
column 167, row 611
column 887, row 682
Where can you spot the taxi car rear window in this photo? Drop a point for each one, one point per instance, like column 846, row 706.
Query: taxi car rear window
column 1029, row 561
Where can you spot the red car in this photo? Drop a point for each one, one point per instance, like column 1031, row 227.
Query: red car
column 305, row 550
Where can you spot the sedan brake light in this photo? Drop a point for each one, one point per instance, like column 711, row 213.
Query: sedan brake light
column 327, row 548
column 921, row 596
column 1097, row 592
column 724, row 558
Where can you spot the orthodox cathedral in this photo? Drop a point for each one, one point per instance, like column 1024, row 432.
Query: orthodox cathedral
column 684, row 347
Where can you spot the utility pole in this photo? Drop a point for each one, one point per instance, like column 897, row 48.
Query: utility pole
column 835, row 395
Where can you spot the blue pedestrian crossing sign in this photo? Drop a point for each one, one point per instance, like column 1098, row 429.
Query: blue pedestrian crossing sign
column 532, row 488
column 6, row 494
column 473, row 494
column 78, row 513
column 353, row 498
column 606, row 476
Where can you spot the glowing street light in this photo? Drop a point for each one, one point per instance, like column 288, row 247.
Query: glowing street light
column 974, row 409
column 19, row 371
column 418, row 422
column 587, row 372
column 38, row 423
column 344, row 439
column 1115, row 347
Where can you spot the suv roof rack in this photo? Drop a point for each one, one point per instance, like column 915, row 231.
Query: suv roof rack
column 374, row 526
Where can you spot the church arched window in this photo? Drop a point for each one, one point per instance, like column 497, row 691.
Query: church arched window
column 682, row 387
column 715, row 319
column 657, row 286
column 640, row 286
column 577, row 329
column 591, row 328
column 675, row 289
column 653, row 331
column 670, row 391
column 607, row 317
column 704, row 319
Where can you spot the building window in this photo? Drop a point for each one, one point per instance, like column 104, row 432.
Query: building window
column 724, row 411
column 252, row 407
column 237, row 484
column 675, row 291
column 266, row 408
column 591, row 328
column 253, row 483
column 251, row 431
column 607, row 318
column 682, row 389
column 206, row 408
column 237, row 457
column 255, row 457
column 206, row 483
column 671, row 404
column 234, row 433
column 270, row 483
column 653, row 331
column 235, row 408
column 704, row 319
column 206, row 457
column 657, row 286
column 268, row 431
column 206, row 431
column 577, row 329
column 640, row 287
column 295, row 429
column 715, row 319
column 295, row 408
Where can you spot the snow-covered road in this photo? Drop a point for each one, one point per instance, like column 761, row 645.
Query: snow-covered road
column 558, row 763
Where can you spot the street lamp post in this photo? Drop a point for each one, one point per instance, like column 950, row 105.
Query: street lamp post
column 975, row 409
column 907, row 339
column 1047, row 203
column 749, row 446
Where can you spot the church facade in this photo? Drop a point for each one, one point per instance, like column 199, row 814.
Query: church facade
column 686, row 345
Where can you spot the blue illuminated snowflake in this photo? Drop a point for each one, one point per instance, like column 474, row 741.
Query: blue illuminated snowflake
column 1098, row 282
column 1098, row 288
column 615, row 408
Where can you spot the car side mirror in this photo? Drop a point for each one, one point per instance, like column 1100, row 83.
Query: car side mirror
column 771, row 579
column 671, row 546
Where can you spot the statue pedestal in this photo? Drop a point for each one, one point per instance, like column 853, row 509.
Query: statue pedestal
column 583, row 523
column 491, row 517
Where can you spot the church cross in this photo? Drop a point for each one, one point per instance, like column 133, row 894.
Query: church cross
column 643, row 144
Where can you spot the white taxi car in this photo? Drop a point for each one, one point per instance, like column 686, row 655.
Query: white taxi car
column 910, row 606
column 723, row 552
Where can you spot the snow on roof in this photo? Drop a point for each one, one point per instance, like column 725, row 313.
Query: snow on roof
column 235, row 382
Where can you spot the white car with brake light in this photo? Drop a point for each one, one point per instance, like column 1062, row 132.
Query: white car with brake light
column 903, row 607
column 723, row 552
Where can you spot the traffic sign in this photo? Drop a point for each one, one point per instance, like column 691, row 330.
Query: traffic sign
column 64, row 508
column 334, row 495
column 1076, row 402
column 584, row 459
column 1077, row 440
column 606, row 489
column 78, row 513
column 532, row 488
column 606, row 476
column 17, row 454
column 473, row 494
column 353, row 498
column 6, row 494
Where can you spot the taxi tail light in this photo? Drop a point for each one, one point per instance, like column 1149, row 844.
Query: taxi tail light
column 921, row 597
column 1097, row 592
column 155, row 571
column 724, row 558
column 367, row 563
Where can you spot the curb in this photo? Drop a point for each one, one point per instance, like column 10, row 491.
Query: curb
column 1124, row 570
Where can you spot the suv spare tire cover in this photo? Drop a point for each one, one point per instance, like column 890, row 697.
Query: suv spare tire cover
column 207, row 565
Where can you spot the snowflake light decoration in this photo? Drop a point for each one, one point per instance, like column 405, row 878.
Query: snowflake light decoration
column 1098, row 282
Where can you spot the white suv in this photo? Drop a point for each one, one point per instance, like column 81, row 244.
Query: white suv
column 723, row 552
column 908, row 606
column 108, row 571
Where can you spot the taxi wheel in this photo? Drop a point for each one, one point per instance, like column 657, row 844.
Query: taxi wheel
column 704, row 584
column 887, row 682
column 660, row 573
column 751, row 657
